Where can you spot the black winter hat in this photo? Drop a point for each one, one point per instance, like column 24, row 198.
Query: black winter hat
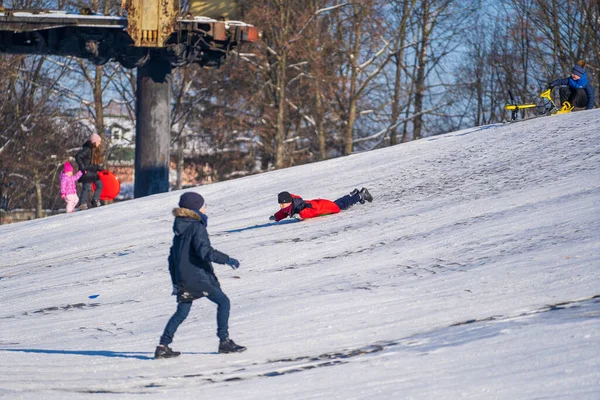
column 284, row 197
column 191, row 200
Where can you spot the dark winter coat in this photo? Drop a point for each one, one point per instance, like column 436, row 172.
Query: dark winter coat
column 581, row 83
column 84, row 162
column 191, row 256
column 307, row 208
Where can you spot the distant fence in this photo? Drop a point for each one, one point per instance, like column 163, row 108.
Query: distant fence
column 19, row 215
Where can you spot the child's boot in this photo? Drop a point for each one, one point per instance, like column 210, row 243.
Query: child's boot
column 165, row 352
column 229, row 346
column 365, row 196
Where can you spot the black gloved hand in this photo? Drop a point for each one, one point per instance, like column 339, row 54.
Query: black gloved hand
column 549, row 87
column 233, row 263
column 272, row 218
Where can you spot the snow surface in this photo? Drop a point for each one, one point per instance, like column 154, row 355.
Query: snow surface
column 474, row 274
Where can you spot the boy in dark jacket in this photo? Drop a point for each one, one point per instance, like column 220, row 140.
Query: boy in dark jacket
column 294, row 206
column 192, row 273
column 576, row 89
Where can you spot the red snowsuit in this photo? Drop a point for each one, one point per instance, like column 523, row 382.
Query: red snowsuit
column 307, row 208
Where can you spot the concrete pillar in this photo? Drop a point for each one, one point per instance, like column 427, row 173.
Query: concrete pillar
column 153, row 127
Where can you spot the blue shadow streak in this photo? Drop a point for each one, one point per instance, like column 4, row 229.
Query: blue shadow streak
column 481, row 128
column 101, row 353
column 478, row 129
column 284, row 222
column 94, row 353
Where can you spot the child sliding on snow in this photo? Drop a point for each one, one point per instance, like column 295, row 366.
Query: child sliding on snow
column 294, row 206
column 192, row 273
column 68, row 191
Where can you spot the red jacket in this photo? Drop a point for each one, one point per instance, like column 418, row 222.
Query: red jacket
column 307, row 208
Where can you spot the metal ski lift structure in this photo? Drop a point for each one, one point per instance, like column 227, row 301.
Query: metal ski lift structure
column 153, row 37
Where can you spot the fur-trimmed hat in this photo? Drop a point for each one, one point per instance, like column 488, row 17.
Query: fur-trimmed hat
column 284, row 197
column 191, row 200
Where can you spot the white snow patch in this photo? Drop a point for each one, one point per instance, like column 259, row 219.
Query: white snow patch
column 473, row 274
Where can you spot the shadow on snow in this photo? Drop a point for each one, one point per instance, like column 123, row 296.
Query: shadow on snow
column 287, row 221
column 99, row 353
column 95, row 353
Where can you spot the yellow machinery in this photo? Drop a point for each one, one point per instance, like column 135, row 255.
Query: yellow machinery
column 548, row 108
column 149, row 29
column 219, row 10
column 151, row 22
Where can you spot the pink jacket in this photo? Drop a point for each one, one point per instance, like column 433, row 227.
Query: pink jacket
column 67, row 183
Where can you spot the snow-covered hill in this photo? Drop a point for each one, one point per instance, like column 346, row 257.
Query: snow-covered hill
column 474, row 274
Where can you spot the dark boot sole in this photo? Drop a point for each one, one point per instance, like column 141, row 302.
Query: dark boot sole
column 166, row 356
column 233, row 351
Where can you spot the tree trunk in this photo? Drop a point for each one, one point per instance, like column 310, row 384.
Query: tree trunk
column 38, row 194
column 421, row 66
column 319, row 114
column 280, row 122
column 396, row 99
column 407, row 7
column 98, row 104
column 179, row 166
column 352, row 97
column 349, row 142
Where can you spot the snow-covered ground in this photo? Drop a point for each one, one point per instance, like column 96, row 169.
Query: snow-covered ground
column 475, row 274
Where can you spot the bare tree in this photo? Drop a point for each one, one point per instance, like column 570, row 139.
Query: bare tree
column 34, row 139
column 364, row 53
column 402, row 15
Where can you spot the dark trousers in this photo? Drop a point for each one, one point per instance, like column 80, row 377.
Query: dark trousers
column 183, row 309
column 577, row 97
column 86, row 188
column 347, row 201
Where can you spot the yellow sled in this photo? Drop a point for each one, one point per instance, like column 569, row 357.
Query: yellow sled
column 566, row 108
column 548, row 108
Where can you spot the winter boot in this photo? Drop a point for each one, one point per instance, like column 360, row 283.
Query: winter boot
column 165, row 352
column 96, row 203
column 354, row 192
column 83, row 207
column 365, row 196
column 229, row 346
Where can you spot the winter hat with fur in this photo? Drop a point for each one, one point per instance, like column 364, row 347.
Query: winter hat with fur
column 95, row 138
column 191, row 200
column 68, row 167
column 284, row 197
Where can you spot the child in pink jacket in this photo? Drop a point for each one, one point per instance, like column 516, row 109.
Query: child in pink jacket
column 68, row 190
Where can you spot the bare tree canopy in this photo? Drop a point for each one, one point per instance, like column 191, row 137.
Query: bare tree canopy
column 328, row 78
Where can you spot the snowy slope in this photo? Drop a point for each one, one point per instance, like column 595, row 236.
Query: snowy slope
column 474, row 275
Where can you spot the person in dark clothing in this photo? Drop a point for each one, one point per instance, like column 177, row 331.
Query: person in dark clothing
column 576, row 90
column 192, row 274
column 294, row 206
column 89, row 160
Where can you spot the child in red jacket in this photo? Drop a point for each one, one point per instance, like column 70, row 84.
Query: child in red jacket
column 294, row 206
